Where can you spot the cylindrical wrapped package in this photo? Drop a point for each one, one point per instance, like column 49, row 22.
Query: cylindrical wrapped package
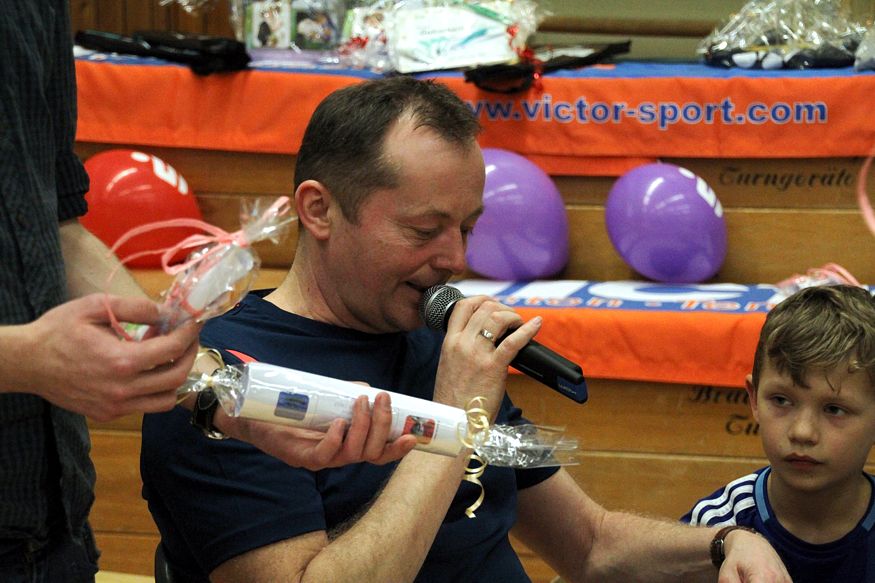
column 218, row 273
column 285, row 396
column 293, row 397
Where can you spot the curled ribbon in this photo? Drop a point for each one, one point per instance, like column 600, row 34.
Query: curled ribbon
column 478, row 422
column 862, row 195
column 215, row 239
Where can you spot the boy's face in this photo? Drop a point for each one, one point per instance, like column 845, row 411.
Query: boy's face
column 816, row 438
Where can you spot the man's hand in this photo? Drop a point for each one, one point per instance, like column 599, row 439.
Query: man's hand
column 73, row 358
column 471, row 365
column 365, row 441
column 751, row 559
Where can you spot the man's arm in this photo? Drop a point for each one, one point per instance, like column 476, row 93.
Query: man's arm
column 585, row 542
column 89, row 264
column 73, row 358
column 390, row 541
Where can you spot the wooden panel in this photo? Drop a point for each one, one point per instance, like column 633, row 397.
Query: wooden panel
column 82, row 15
column 764, row 246
column 188, row 22
column 139, row 16
column 818, row 183
column 111, row 16
column 784, row 232
column 117, row 577
column 127, row 423
column 154, row 282
column 119, row 506
column 126, row 553
column 646, row 417
column 218, row 171
column 782, row 183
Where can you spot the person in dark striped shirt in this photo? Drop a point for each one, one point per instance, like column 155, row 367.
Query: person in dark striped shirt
column 812, row 391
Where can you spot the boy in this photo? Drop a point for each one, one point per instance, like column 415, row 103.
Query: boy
column 812, row 391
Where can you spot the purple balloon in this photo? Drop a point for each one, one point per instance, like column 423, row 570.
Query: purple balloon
column 523, row 231
column 667, row 224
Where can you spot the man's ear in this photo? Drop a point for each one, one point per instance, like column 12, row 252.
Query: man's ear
column 751, row 396
column 313, row 202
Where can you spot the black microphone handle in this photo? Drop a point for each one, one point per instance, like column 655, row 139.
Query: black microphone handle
column 534, row 359
column 544, row 365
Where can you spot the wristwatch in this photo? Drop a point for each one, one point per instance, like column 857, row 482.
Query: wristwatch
column 204, row 410
column 718, row 554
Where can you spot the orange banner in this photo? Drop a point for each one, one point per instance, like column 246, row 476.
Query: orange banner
column 598, row 121
column 665, row 347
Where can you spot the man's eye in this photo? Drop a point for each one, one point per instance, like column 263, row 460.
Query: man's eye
column 424, row 233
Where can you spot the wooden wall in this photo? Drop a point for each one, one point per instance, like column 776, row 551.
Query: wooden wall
column 130, row 16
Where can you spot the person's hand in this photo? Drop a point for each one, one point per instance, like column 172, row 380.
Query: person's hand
column 751, row 559
column 73, row 358
column 364, row 441
column 471, row 364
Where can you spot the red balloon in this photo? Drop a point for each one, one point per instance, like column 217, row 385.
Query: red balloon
column 130, row 189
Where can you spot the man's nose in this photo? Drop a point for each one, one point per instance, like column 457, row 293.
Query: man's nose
column 452, row 255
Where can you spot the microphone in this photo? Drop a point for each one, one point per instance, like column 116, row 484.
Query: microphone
column 535, row 360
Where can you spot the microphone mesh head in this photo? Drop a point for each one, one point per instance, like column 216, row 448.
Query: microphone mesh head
column 436, row 303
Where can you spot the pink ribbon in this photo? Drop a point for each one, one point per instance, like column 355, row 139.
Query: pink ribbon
column 862, row 196
column 215, row 238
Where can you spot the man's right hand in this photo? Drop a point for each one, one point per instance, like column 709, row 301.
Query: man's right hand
column 364, row 441
column 72, row 357
column 471, row 365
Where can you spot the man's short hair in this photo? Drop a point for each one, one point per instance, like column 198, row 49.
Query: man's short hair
column 816, row 330
column 343, row 145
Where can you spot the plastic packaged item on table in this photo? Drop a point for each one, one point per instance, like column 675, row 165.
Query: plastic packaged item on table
column 864, row 58
column 288, row 24
column 789, row 34
column 286, row 396
column 191, row 6
column 829, row 274
column 410, row 36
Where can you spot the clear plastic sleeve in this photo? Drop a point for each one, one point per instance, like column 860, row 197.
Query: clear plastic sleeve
column 829, row 274
column 427, row 35
column 286, row 396
column 864, row 58
column 214, row 278
column 790, row 34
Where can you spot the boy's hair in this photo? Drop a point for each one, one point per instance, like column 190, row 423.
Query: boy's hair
column 343, row 144
column 818, row 329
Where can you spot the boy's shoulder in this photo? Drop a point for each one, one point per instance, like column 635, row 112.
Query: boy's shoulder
column 734, row 503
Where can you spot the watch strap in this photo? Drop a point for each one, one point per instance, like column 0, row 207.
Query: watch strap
column 204, row 411
column 718, row 552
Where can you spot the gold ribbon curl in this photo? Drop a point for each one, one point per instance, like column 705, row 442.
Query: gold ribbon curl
column 478, row 423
